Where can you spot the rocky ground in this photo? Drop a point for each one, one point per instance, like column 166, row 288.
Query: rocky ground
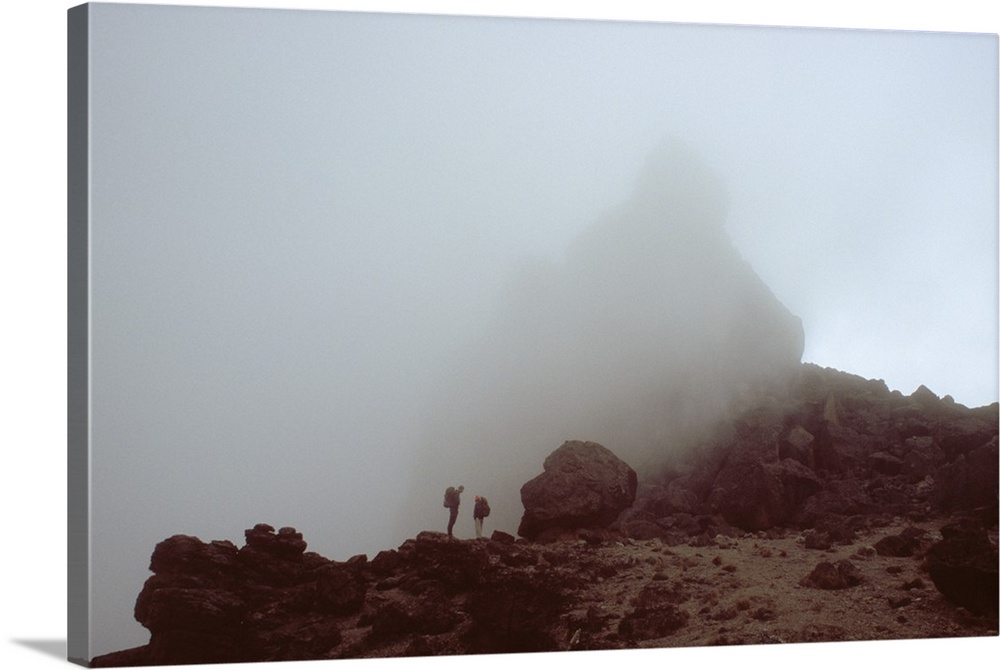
column 750, row 590
column 438, row 596
column 828, row 509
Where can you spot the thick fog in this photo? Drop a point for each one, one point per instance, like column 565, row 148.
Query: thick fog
column 639, row 338
column 342, row 261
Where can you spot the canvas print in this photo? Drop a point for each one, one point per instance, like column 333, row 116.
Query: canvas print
column 411, row 335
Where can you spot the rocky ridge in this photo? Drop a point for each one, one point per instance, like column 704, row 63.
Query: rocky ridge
column 826, row 508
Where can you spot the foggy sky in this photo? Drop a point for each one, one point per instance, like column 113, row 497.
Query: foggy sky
column 301, row 220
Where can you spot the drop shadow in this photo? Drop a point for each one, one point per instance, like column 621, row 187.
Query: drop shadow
column 55, row 648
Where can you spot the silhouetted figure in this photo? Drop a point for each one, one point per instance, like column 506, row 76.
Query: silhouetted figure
column 480, row 512
column 452, row 498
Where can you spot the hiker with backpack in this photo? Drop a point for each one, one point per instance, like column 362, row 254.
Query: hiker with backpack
column 480, row 512
column 452, row 498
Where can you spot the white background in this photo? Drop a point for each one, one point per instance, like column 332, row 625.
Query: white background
column 33, row 257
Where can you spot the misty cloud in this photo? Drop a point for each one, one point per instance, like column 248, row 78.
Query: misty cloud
column 637, row 340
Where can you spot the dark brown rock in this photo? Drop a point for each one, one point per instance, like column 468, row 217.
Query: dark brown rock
column 652, row 623
column 963, row 567
column 339, row 590
column 286, row 543
column 922, row 456
column 643, row 529
column 186, row 554
column 385, row 562
column 583, row 485
column 799, row 445
column 816, row 540
column 659, row 592
column 896, row 602
column 514, row 613
column 755, row 495
column 838, row 500
column 904, row 544
column 857, row 449
column 829, row 576
column 430, row 613
column 971, row 479
column 451, row 564
column 885, row 463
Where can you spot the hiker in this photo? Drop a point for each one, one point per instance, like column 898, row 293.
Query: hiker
column 480, row 512
column 451, row 501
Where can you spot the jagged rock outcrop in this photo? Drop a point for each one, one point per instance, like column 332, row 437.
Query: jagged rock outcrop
column 216, row 603
column 755, row 488
column 969, row 479
column 823, row 446
column 584, row 485
column 211, row 602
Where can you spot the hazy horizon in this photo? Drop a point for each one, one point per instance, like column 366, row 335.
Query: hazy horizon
column 299, row 219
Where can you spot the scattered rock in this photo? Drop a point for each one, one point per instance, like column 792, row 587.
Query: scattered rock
column 902, row 545
column 814, row 540
column 827, row 575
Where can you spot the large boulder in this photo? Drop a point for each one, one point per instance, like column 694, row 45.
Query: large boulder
column 583, row 485
column 963, row 567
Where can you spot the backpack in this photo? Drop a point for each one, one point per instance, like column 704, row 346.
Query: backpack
column 449, row 496
column 486, row 507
